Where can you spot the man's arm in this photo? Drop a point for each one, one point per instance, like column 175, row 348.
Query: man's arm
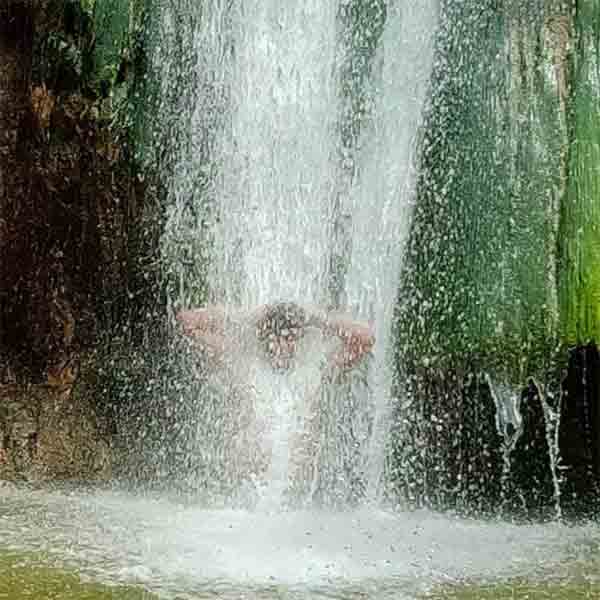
column 198, row 321
column 208, row 328
column 357, row 337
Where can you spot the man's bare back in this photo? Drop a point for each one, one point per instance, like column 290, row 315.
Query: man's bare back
column 274, row 336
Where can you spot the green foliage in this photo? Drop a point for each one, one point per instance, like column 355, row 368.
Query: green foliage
column 97, row 48
column 64, row 38
column 111, row 21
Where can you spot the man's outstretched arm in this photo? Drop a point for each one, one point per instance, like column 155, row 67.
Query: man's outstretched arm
column 357, row 337
column 206, row 328
column 198, row 321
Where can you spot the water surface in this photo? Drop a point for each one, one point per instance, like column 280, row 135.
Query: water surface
column 182, row 550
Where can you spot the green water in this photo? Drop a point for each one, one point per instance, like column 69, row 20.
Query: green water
column 26, row 576
column 520, row 591
column 576, row 579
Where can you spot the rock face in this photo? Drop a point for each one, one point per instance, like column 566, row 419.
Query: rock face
column 50, row 433
column 69, row 206
column 73, row 229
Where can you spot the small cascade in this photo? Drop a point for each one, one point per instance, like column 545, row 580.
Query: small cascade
column 529, row 428
column 509, row 420
column 509, row 423
column 552, row 421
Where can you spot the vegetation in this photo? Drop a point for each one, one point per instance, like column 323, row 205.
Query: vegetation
column 79, row 246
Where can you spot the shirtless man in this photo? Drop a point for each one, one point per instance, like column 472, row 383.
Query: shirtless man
column 274, row 331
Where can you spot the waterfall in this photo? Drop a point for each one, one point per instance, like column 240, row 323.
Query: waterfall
column 255, row 186
column 275, row 159
column 379, row 204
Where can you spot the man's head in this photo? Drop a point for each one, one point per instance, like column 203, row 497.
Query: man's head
column 279, row 329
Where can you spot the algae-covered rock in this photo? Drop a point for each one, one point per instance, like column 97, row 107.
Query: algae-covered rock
column 579, row 243
column 71, row 205
column 480, row 274
column 481, row 281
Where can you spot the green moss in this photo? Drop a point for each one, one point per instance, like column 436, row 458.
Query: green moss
column 579, row 273
column 26, row 576
column 479, row 277
column 111, row 28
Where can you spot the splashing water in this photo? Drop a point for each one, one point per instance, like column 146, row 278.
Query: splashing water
column 252, row 104
column 183, row 551
column 276, row 187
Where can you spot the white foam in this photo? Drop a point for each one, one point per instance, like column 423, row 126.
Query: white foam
column 173, row 547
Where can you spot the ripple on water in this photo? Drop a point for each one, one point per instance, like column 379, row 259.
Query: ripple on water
column 367, row 552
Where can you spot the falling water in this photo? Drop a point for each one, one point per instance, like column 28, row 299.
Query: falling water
column 275, row 186
column 275, row 159
column 251, row 111
column 379, row 205
column 509, row 422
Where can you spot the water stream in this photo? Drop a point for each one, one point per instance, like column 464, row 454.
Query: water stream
column 280, row 192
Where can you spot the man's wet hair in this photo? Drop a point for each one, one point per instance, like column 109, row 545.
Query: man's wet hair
column 280, row 317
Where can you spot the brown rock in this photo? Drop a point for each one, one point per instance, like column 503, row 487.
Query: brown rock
column 50, row 433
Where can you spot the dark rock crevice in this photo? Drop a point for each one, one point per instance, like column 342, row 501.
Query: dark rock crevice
column 448, row 451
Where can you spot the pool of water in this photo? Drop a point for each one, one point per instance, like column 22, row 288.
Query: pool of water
column 181, row 550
